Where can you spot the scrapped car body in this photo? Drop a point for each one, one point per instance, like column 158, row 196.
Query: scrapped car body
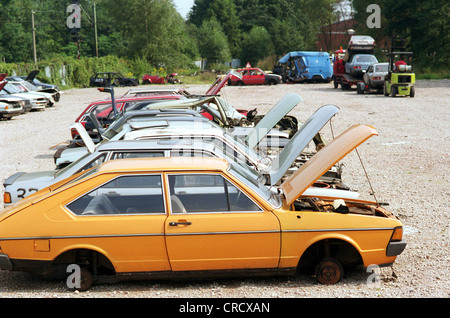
column 152, row 218
column 37, row 86
column 44, row 87
column 254, row 76
column 273, row 168
column 21, row 184
column 106, row 79
column 11, row 106
column 146, row 91
column 15, row 101
column 361, row 42
column 7, row 111
column 38, row 102
column 27, row 87
column 116, row 131
column 104, row 110
column 153, row 79
column 305, row 66
column 373, row 79
column 359, row 63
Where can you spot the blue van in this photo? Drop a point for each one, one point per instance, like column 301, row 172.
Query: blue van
column 306, row 66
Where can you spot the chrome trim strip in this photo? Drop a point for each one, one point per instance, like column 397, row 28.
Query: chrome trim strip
column 224, row 233
column 77, row 236
column 341, row 230
column 192, row 233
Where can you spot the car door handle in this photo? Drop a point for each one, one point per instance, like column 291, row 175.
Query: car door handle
column 179, row 223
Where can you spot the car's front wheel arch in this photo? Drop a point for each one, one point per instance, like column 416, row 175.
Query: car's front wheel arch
column 341, row 250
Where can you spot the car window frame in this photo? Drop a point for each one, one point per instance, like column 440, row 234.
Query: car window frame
column 163, row 194
column 225, row 177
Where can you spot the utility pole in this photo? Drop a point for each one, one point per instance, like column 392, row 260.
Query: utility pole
column 34, row 38
column 95, row 30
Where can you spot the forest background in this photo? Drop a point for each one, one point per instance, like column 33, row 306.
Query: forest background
column 137, row 37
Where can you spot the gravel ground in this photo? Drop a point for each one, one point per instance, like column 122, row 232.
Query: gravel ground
column 408, row 165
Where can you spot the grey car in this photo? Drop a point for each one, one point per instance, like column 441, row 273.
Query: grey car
column 374, row 77
column 22, row 184
column 359, row 64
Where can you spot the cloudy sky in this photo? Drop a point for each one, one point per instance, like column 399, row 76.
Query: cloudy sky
column 183, row 6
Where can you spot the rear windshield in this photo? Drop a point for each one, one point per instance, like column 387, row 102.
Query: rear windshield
column 365, row 59
column 381, row 68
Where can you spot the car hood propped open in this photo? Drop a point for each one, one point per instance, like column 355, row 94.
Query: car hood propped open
column 299, row 141
column 269, row 120
column 323, row 160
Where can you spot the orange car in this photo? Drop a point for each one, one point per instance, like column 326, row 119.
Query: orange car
column 166, row 217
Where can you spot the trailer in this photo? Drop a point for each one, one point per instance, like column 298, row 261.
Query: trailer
column 339, row 76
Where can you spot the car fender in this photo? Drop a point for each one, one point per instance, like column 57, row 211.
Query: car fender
column 330, row 236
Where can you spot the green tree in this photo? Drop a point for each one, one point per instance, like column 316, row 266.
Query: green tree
column 212, row 42
column 153, row 30
column 257, row 45
column 423, row 24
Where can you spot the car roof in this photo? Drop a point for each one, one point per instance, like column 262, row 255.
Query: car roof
column 149, row 144
column 165, row 164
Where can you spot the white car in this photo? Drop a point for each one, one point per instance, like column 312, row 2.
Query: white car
column 361, row 42
column 8, row 111
column 26, row 87
column 38, row 102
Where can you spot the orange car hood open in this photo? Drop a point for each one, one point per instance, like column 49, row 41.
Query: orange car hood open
column 323, row 160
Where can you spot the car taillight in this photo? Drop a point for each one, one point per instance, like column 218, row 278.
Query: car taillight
column 376, row 78
column 356, row 67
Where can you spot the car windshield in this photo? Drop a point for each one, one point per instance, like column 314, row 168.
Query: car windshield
column 365, row 59
column 381, row 68
column 29, row 86
column 12, row 89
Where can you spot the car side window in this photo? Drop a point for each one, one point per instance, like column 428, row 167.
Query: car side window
column 189, row 153
column 141, row 194
column 137, row 154
column 200, row 193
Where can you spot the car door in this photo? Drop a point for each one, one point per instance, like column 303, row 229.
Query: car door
column 246, row 77
column 214, row 225
column 257, row 77
column 127, row 215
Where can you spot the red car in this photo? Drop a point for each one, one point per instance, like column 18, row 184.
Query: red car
column 254, row 76
column 154, row 79
column 104, row 112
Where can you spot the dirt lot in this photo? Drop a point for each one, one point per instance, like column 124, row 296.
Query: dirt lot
column 408, row 165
